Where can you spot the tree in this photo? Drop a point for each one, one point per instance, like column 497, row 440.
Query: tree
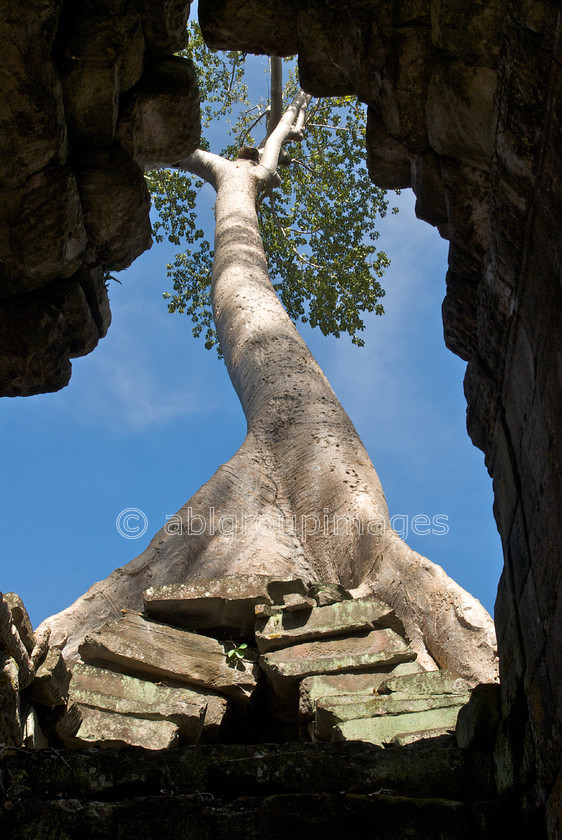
column 317, row 216
column 300, row 497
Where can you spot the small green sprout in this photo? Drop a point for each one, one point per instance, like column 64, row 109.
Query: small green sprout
column 235, row 656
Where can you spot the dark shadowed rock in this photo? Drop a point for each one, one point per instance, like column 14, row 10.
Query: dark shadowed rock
column 156, row 123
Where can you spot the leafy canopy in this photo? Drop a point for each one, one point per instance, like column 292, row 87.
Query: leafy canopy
column 318, row 225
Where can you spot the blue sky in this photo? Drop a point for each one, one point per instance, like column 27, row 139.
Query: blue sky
column 150, row 414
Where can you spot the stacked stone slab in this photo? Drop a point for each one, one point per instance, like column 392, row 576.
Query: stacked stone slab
column 214, row 659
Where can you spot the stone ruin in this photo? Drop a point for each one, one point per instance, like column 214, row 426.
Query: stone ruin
column 241, row 701
column 235, row 659
column 464, row 107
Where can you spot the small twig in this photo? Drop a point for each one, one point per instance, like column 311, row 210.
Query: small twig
column 247, row 130
column 62, row 758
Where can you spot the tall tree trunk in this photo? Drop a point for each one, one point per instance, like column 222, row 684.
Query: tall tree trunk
column 301, row 496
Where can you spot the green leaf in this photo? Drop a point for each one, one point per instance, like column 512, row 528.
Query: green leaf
column 319, row 225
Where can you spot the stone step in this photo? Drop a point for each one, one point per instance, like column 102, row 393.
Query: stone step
column 231, row 770
column 146, row 648
column 300, row 816
column 285, row 668
column 342, row 618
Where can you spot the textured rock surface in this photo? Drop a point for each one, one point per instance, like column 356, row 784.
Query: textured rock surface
column 12, row 645
column 343, row 618
column 10, row 716
column 464, row 106
column 50, row 686
column 226, row 602
column 99, row 728
column 157, row 650
column 377, row 649
column 385, row 729
column 21, row 619
column 98, row 688
column 288, row 790
column 90, row 95
column 328, row 685
column 387, row 716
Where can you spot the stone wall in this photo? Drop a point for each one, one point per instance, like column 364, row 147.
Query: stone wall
column 464, row 106
column 90, row 96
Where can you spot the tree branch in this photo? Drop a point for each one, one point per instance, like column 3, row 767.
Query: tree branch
column 274, row 143
column 276, row 101
column 204, row 164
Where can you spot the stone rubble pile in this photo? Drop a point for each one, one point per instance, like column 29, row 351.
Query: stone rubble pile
column 244, row 657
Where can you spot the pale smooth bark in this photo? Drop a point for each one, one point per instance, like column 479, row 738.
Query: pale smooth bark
column 302, row 464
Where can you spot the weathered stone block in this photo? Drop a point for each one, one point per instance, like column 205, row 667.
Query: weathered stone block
column 146, row 648
column 33, row 737
column 331, row 711
column 102, row 56
column 10, row 718
column 327, row 685
column 467, row 30
column 479, row 719
column 159, row 123
column 424, row 684
column 49, row 241
column 164, row 25
column 387, row 158
column 12, row 645
column 91, row 95
column 382, row 730
column 460, row 107
column 109, row 729
column 297, row 603
column 379, row 648
column 343, row 618
column 32, row 121
column 50, row 686
column 444, row 734
column 111, row 692
column 328, row 593
column 21, row 619
column 427, row 184
column 252, row 26
column 116, row 205
column 221, row 602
